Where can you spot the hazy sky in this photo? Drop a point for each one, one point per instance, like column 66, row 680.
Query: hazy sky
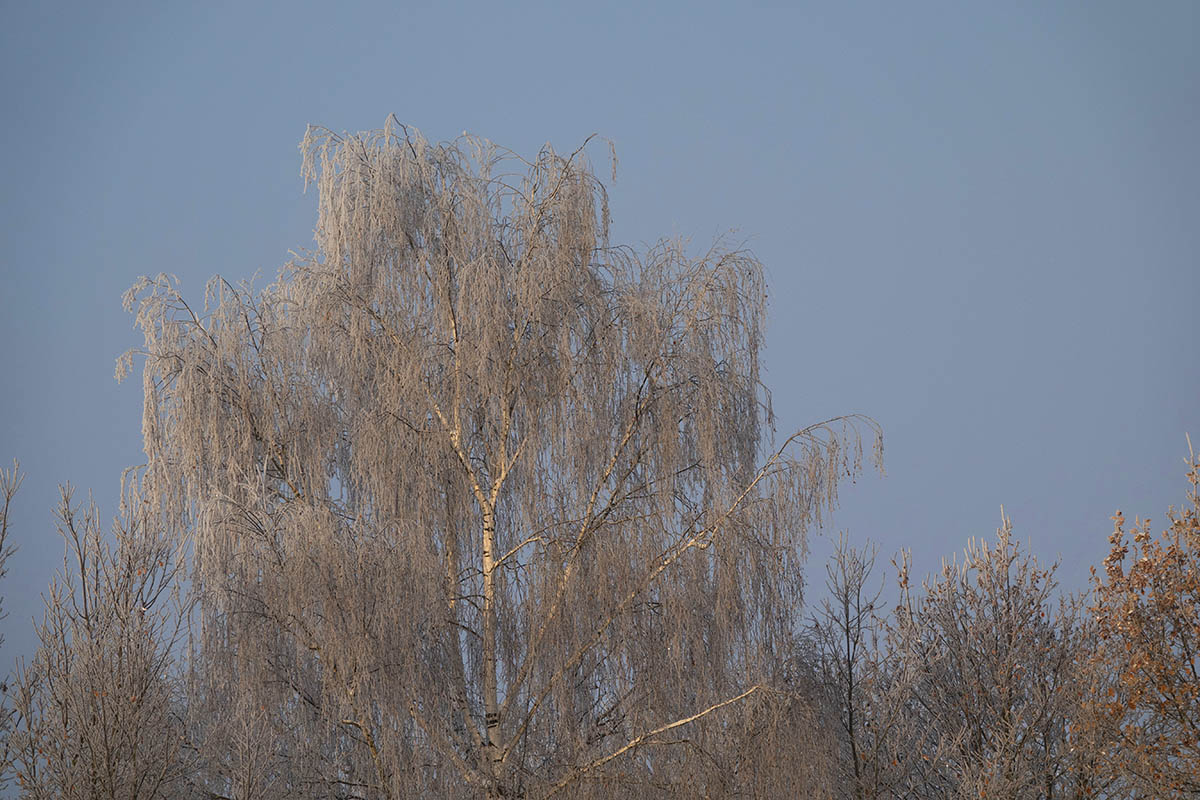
column 981, row 221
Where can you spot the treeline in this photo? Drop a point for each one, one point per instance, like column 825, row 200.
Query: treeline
column 471, row 502
column 985, row 682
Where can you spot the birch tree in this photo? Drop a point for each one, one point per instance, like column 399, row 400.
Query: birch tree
column 481, row 504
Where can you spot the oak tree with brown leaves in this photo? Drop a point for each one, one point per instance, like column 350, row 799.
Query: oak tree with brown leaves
column 1148, row 614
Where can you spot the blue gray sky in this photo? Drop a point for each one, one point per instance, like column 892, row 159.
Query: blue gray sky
column 980, row 220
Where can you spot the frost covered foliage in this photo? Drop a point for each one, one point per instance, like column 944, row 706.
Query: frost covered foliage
column 97, row 709
column 481, row 504
column 973, row 687
column 994, row 658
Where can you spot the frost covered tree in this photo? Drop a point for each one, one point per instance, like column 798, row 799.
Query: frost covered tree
column 996, row 672
column 97, row 708
column 480, row 504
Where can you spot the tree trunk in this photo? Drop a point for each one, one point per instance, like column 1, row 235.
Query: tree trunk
column 491, row 705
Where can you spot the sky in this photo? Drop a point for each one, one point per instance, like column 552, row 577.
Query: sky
column 980, row 221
